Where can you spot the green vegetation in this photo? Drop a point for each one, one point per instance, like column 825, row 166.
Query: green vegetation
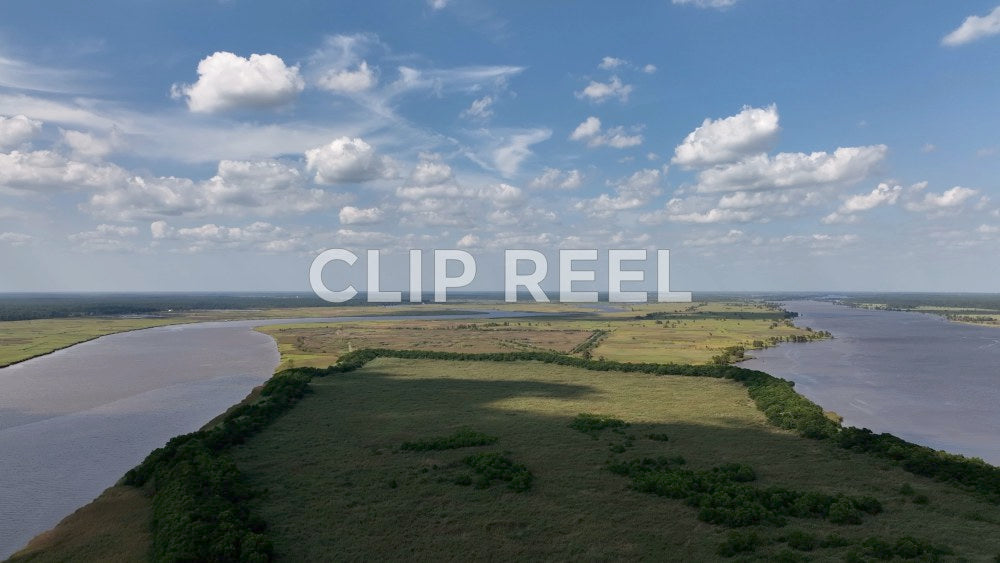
column 592, row 424
column 493, row 466
column 463, row 438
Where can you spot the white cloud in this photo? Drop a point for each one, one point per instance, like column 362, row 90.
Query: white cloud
column 717, row 4
column 883, row 194
column 630, row 193
column 610, row 63
column 711, row 216
column 263, row 188
column 973, row 28
column 259, row 236
column 468, row 241
column 590, row 131
column 928, row 148
column 106, row 238
column 437, row 4
column 846, row 165
column 751, row 131
column 429, row 172
column 349, row 81
column 553, row 178
column 51, row 171
column 982, row 229
column 481, row 108
column 355, row 216
column 15, row 239
column 346, row 160
column 949, row 199
column 602, row 91
column 649, row 69
column 17, row 129
column 507, row 158
column 88, row 146
column 227, row 81
column 732, row 237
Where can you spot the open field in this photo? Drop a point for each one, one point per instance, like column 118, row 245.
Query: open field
column 665, row 332
column 22, row 340
column 338, row 483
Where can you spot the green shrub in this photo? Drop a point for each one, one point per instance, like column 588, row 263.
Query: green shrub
column 842, row 511
column 835, row 540
column 802, row 541
column 660, row 437
column 493, row 466
column 462, row 438
column 921, row 499
column 593, row 423
column 737, row 543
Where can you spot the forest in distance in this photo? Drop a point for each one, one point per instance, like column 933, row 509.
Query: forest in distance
column 28, row 306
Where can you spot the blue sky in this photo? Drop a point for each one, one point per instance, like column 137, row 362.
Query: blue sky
column 771, row 145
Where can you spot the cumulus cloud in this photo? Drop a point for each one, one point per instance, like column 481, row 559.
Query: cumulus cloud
column 349, row 81
column 734, row 236
column 88, row 146
column 468, row 241
column 106, row 238
column 347, row 160
column 630, row 193
column 437, row 4
column 649, row 69
column 973, row 28
column 751, row 131
column 949, row 199
column 16, row 130
column 356, row 216
column 259, row 236
column 883, row 194
column 846, row 165
column 227, row 81
column 610, row 63
column 553, row 178
column 717, row 4
column 481, row 108
column 591, row 132
column 239, row 188
column 430, row 171
column 602, row 91
column 51, row 171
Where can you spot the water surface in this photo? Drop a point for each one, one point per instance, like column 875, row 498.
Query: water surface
column 73, row 422
column 918, row 376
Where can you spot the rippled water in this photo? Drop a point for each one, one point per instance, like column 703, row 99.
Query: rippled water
column 917, row 376
column 73, row 422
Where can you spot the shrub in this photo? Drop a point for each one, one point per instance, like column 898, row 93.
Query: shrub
column 660, row 437
column 737, row 543
column 493, row 466
column 802, row 541
column 593, row 423
column 842, row 511
column 462, row 438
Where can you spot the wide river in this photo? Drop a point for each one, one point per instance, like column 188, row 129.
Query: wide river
column 915, row 375
column 73, row 422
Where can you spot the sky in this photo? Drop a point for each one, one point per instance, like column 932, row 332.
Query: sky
column 197, row 145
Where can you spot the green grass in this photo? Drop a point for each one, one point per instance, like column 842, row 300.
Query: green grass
column 337, row 482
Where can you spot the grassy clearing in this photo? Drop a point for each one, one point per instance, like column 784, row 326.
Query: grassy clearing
column 680, row 333
column 21, row 340
column 338, row 484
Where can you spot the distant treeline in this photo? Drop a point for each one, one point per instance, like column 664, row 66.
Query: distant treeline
column 906, row 301
column 19, row 307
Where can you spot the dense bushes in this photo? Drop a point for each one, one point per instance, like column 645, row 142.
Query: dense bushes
column 592, row 424
column 723, row 496
column 493, row 466
column 462, row 438
column 200, row 509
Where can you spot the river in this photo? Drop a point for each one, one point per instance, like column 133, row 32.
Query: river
column 74, row 421
column 915, row 375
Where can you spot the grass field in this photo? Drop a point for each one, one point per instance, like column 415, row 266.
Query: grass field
column 339, row 486
column 681, row 333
